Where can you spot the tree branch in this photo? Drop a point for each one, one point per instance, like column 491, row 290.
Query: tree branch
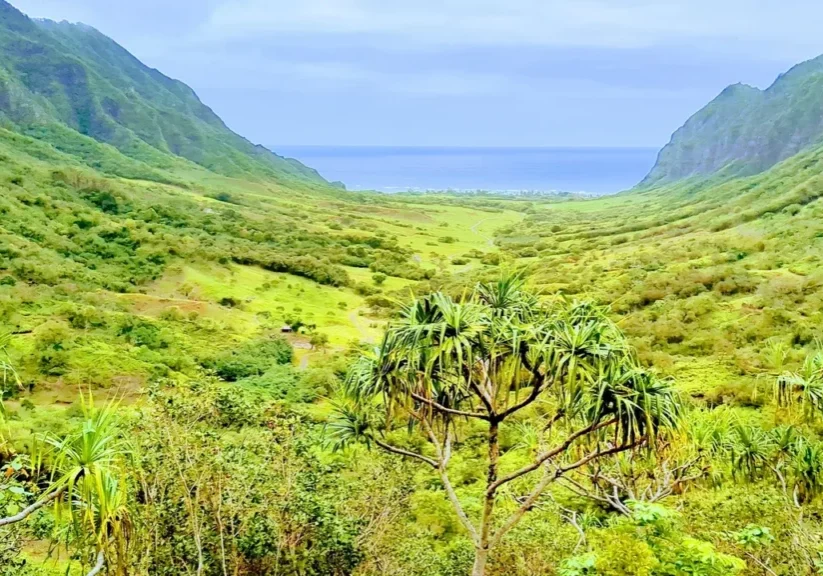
column 537, row 388
column 458, row 507
column 610, row 500
column 443, row 457
column 597, row 454
column 98, row 567
column 483, row 397
column 26, row 512
column 446, row 410
column 548, row 478
column 550, row 454
column 525, row 507
column 407, row 453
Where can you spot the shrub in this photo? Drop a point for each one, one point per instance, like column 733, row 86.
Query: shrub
column 284, row 383
column 252, row 359
column 491, row 259
column 52, row 342
column 140, row 332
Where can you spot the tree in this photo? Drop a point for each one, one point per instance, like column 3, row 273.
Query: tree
column 10, row 380
column 88, row 488
column 560, row 372
column 379, row 278
column 319, row 340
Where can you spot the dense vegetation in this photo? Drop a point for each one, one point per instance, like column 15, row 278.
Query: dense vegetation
column 214, row 363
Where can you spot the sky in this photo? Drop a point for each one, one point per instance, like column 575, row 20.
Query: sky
column 600, row 73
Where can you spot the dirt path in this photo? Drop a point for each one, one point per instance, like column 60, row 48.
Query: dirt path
column 358, row 322
column 489, row 239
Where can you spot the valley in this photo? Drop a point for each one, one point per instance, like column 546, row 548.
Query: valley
column 215, row 361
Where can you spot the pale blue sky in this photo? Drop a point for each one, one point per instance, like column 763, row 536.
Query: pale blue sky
column 457, row 72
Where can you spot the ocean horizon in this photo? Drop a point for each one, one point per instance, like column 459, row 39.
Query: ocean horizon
column 595, row 171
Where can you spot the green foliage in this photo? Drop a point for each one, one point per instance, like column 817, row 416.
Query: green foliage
column 489, row 356
column 70, row 80
column 267, row 496
column 252, row 359
column 106, row 221
column 53, row 341
column 650, row 543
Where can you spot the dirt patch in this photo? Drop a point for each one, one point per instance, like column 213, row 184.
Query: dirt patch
column 154, row 306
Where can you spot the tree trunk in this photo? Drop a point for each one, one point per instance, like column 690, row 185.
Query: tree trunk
column 481, row 555
column 488, row 506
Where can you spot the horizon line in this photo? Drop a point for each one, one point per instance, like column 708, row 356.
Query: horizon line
column 464, row 146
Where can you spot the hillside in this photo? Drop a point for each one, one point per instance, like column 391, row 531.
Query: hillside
column 746, row 130
column 59, row 81
column 704, row 277
column 212, row 362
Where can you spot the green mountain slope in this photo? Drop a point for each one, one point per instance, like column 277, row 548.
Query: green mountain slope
column 703, row 276
column 55, row 76
column 745, row 131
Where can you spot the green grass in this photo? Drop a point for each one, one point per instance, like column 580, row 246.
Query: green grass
column 702, row 274
column 266, row 299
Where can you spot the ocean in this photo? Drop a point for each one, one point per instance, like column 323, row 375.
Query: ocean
column 399, row 169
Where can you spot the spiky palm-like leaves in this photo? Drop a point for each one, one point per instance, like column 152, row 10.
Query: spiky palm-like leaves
column 491, row 356
column 87, row 470
column 88, row 486
column 804, row 387
column 750, row 449
column 806, row 468
column 494, row 349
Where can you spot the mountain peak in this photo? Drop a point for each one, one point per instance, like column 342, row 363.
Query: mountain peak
column 745, row 130
column 60, row 75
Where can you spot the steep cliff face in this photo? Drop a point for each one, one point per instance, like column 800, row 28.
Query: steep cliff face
column 746, row 130
column 59, row 75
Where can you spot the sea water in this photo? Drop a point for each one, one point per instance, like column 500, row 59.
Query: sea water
column 399, row 169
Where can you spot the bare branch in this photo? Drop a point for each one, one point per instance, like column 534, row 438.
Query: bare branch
column 548, row 478
column 443, row 457
column 597, row 454
column 611, row 500
column 98, row 567
column 26, row 512
column 571, row 517
column 445, row 410
column 483, row 396
column 458, row 507
column 409, row 454
column 537, row 387
column 548, row 455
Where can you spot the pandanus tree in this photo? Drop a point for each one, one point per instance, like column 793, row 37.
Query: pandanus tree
column 87, row 488
column 504, row 358
column 803, row 387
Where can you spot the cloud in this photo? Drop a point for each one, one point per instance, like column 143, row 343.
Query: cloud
column 528, row 72
column 604, row 23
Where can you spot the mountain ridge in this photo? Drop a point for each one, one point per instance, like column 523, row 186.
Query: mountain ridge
column 746, row 130
column 60, row 74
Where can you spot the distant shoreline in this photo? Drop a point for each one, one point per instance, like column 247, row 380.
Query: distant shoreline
column 593, row 171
